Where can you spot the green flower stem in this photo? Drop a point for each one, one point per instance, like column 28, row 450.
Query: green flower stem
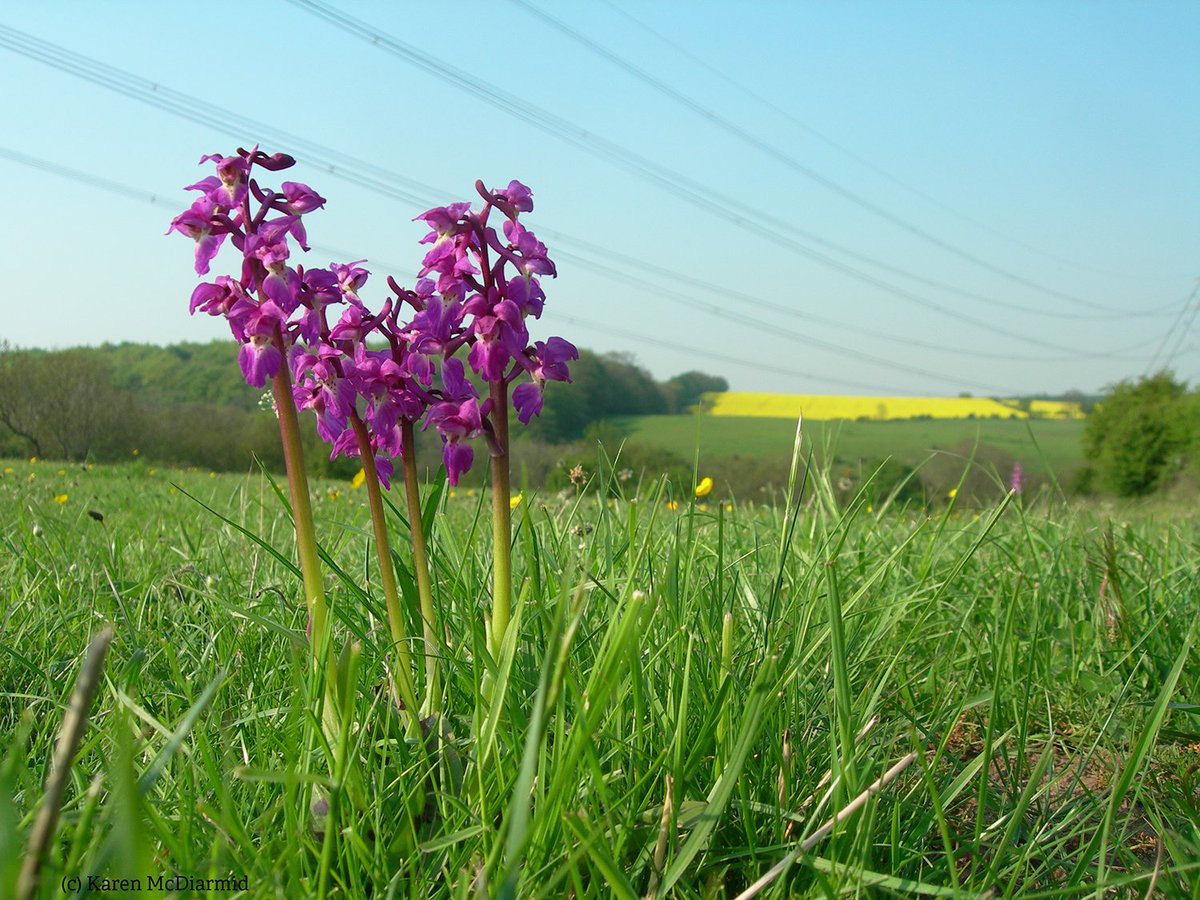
column 302, row 517
column 306, row 547
column 421, row 565
column 402, row 668
column 501, row 520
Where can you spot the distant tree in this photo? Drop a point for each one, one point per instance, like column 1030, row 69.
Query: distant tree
column 64, row 403
column 687, row 388
column 605, row 386
column 181, row 373
column 1141, row 434
column 19, row 410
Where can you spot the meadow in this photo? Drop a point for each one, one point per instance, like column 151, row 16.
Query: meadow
column 1038, row 442
column 698, row 699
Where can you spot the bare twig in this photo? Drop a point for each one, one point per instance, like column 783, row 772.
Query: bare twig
column 821, row 833
column 863, row 732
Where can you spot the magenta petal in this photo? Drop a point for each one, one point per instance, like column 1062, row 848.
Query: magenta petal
column 207, row 246
column 259, row 360
column 383, row 467
column 527, row 399
column 458, row 458
column 454, row 380
column 301, row 198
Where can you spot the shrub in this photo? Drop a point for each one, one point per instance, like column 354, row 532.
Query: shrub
column 1142, row 434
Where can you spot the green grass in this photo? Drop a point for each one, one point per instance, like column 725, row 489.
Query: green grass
column 1037, row 660
column 909, row 441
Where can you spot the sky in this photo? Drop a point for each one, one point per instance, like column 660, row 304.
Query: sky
column 933, row 198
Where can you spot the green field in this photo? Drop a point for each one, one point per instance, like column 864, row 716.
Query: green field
column 907, row 439
column 1010, row 691
column 1058, row 442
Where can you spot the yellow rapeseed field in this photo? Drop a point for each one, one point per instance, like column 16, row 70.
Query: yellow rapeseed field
column 820, row 407
column 1055, row 409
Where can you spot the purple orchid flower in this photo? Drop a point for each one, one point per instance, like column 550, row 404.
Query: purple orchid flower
column 350, row 277
column 519, row 197
column 300, row 198
column 227, row 189
column 549, row 363
column 197, row 223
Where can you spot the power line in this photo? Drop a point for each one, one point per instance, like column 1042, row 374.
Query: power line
column 767, row 328
column 1183, row 333
column 133, row 193
column 1174, row 327
column 340, row 164
column 731, row 210
column 759, row 325
column 758, row 302
column 366, row 174
column 674, row 296
column 787, row 159
column 716, row 355
column 861, row 160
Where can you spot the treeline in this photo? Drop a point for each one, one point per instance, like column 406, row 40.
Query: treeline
column 187, row 404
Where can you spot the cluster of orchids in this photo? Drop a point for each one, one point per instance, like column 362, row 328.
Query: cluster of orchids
column 373, row 376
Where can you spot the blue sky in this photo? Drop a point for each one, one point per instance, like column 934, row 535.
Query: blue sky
column 917, row 198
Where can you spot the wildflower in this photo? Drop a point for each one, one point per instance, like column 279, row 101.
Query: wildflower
column 259, row 357
column 457, row 422
column 8, row 470
column 1018, row 478
column 350, row 277
column 60, row 499
column 728, row 507
column 624, row 474
column 62, row 471
column 703, row 507
column 515, row 500
column 953, row 492
column 300, row 198
column 33, row 460
column 152, row 472
column 135, row 451
column 704, row 488
column 357, row 481
column 37, row 530
column 228, row 187
column 576, row 474
column 196, row 222
column 672, row 504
